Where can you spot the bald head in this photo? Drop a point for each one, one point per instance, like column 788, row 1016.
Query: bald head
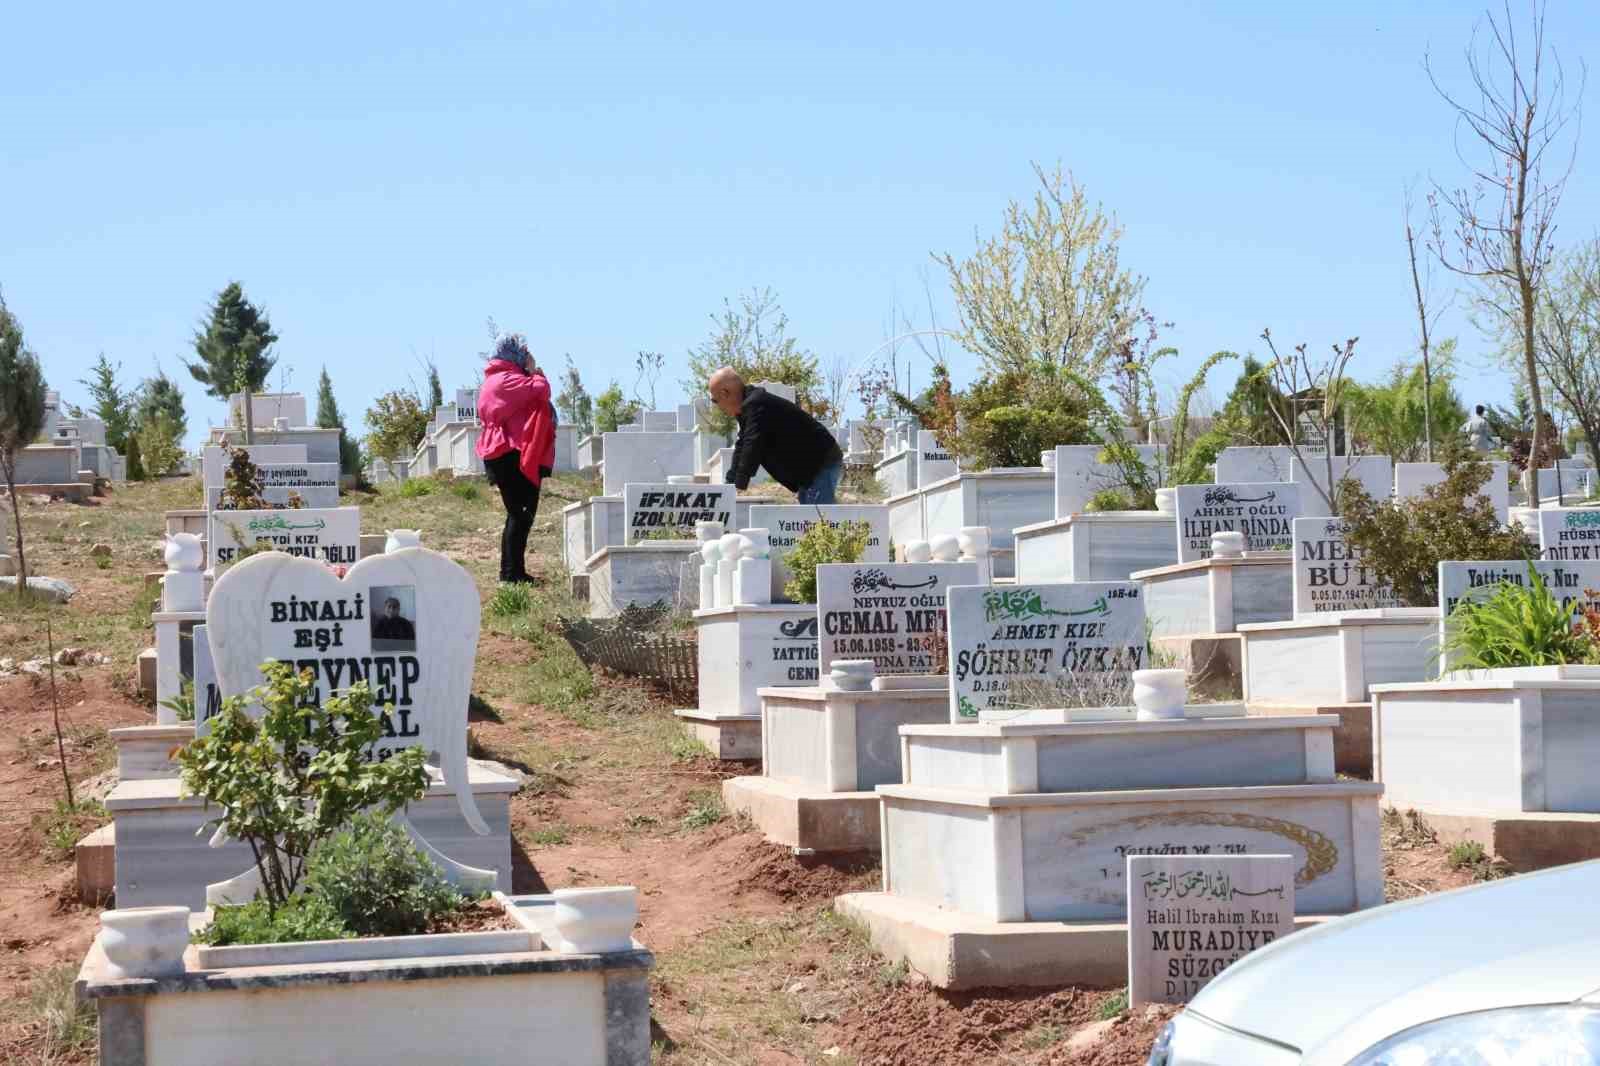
column 727, row 391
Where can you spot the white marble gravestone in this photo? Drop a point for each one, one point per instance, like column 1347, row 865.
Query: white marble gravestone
column 933, row 460
column 466, row 406
column 1479, row 580
column 1262, row 511
column 654, row 508
column 890, row 613
column 317, row 484
column 786, row 523
column 1329, row 575
column 1569, row 534
column 1411, row 478
column 406, row 622
column 1040, row 634
column 1080, row 474
column 327, row 534
column 214, row 461
column 1374, row 473
column 644, row 457
column 1236, row 465
column 207, row 694
column 1192, row 916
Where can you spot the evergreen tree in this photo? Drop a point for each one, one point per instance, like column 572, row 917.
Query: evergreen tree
column 21, row 417
column 233, row 349
column 435, row 389
column 328, row 417
column 574, row 402
column 110, row 402
column 161, row 395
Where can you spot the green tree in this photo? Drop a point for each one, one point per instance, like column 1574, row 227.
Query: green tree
column 21, row 417
column 753, row 339
column 233, row 350
column 574, row 402
column 109, row 401
column 329, row 417
column 160, row 447
column 613, row 409
column 161, row 395
column 435, row 388
column 135, row 463
column 1387, row 417
column 1568, row 327
column 396, row 424
column 1050, row 288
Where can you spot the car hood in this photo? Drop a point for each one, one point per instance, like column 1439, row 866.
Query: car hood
column 1333, row 991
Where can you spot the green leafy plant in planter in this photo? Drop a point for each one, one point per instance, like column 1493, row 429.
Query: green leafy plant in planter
column 824, row 542
column 298, row 775
column 377, row 881
column 1519, row 625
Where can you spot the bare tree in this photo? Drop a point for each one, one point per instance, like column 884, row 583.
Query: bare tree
column 1421, row 287
column 1569, row 339
column 1315, row 395
column 1501, row 232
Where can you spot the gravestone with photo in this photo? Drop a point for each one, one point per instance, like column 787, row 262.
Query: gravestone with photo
column 1040, row 643
column 1192, row 916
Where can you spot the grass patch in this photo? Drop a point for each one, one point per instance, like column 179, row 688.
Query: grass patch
column 705, row 809
column 1469, row 855
column 57, row 1026
column 510, row 600
column 1042, row 1036
column 1115, row 1004
column 551, row 836
column 641, row 821
column 63, row 826
column 465, row 490
column 413, row 488
column 1406, row 829
column 893, row 974
column 684, row 748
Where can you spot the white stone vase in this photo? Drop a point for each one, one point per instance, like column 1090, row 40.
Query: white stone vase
column 852, row 675
column 145, row 941
column 1159, row 694
column 1167, row 501
column 594, row 920
column 945, row 548
column 760, row 539
column 732, row 544
column 1227, row 544
column 184, row 552
column 917, row 551
column 402, row 538
column 974, row 541
column 1047, row 460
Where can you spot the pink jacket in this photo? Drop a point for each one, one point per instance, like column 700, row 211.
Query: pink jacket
column 514, row 408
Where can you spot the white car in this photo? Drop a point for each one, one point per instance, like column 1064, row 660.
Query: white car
column 1491, row 975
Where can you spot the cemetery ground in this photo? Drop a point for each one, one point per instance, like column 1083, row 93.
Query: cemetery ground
column 752, row 964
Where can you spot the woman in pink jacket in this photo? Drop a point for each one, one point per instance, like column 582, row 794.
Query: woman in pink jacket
column 517, row 443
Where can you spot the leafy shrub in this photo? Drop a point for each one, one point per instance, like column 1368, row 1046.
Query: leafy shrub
column 295, row 777
column 376, row 881
column 1109, row 500
column 1519, row 625
column 1402, row 543
column 465, row 490
column 509, row 600
column 414, row 488
column 824, row 542
column 301, row 917
column 182, row 704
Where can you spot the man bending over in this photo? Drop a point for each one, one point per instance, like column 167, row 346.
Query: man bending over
column 796, row 449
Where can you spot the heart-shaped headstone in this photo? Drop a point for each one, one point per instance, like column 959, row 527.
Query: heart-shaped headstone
column 406, row 622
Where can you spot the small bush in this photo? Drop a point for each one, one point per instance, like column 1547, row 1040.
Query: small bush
column 705, row 809
column 303, row 917
column 1467, row 853
column 510, row 600
column 377, row 882
column 1109, row 500
column 414, row 488
column 1113, row 1006
column 465, row 490
column 824, row 542
column 63, row 826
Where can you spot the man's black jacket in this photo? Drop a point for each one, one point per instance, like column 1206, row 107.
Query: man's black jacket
column 776, row 434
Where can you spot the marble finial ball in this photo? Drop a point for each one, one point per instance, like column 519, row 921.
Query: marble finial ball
column 183, row 552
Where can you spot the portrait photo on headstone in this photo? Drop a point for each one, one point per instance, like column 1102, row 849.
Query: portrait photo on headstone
column 394, row 617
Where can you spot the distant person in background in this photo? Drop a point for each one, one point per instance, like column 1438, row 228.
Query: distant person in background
column 797, row 450
column 517, row 443
column 1479, row 434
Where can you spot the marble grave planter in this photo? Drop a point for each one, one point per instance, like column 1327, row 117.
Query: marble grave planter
column 740, row 650
column 1095, row 546
column 622, row 576
column 1334, row 658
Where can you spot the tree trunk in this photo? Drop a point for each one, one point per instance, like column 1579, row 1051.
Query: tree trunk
column 249, row 418
column 16, row 516
column 1535, row 394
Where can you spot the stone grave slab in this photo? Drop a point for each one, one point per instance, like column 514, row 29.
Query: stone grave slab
column 1569, row 534
column 405, row 621
column 644, row 458
column 317, row 484
column 1191, row 916
column 652, row 510
column 933, row 460
column 1329, row 574
column 890, row 613
column 1374, row 473
column 786, row 523
column 326, row 534
column 1043, row 636
column 1262, row 511
column 1249, row 465
column 1411, row 478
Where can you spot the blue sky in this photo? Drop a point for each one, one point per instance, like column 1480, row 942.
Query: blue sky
column 384, row 178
